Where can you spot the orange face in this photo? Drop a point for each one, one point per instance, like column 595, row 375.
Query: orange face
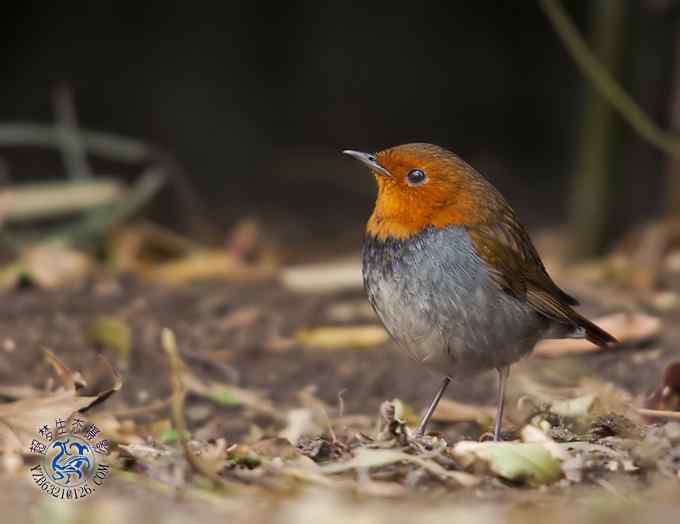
column 420, row 186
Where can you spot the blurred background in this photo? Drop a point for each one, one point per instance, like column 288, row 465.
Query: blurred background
column 255, row 101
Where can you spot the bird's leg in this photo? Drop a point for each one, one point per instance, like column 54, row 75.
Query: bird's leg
column 422, row 425
column 500, row 400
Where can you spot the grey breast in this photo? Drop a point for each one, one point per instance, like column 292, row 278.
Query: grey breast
column 435, row 298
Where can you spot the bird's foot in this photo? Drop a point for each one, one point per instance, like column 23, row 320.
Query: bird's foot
column 488, row 437
column 423, row 442
column 503, row 437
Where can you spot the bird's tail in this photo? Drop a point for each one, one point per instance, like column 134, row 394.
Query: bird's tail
column 595, row 334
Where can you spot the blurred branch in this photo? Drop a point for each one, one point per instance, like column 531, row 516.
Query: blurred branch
column 72, row 150
column 102, row 218
column 41, row 200
column 672, row 199
column 595, row 174
column 177, row 405
column 604, row 82
column 113, row 147
column 75, row 144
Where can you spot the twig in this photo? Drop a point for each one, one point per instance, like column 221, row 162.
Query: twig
column 659, row 413
column 604, row 82
column 191, row 493
column 177, row 411
column 157, row 405
column 72, row 150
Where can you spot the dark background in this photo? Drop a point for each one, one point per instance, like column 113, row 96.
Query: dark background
column 256, row 99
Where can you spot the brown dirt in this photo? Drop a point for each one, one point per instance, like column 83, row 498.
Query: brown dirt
column 260, row 355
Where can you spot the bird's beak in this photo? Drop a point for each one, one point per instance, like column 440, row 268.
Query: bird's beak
column 369, row 160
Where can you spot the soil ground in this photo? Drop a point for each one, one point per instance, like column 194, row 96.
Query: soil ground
column 243, row 334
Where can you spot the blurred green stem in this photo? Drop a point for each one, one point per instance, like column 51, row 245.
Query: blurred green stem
column 72, row 150
column 595, row 174
column 600, row 77
column 593, row 180
column 99, row 220
column 113, row 147
column 673, row 167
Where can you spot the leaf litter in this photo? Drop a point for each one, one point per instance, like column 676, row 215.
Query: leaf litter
column 590, row 435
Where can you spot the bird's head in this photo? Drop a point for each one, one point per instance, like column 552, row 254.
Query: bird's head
column 421, row 186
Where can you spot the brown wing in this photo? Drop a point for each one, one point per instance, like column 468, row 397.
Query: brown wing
column 515, row 266
column 512, row 258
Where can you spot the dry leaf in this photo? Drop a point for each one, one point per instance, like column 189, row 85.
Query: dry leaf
column 515, row 461
column 370, row 458
column 666, row 397
column 227, row 394
column 348, row 311
column 241, row 318
column 20, row 420
column 573, row 407
column 71, row 379
column 339, row 337
column 452, row 411
column 50, row 266
column 625, row 327
column 300, row 422
column 111, row 333
column 207, row 264
column 533, row 435
column 317, row 278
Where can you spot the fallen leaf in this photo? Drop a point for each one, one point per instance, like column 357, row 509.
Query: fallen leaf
column 573, row 407
column 652, row 414
column 452, row 411
column 111, row 333
column 625, row 327
column 241, row 318
column 20, row 420
column 168, row 436
column 665, row 301
column 533, row 435
column 348, row 311
column 227, row 394
column 339, row 337
column 49, row 265
column 145, row 452
column 244, row 239
column 666, row 397
column 516, row 461
column 300, row 422
column 206, row 264
column 325, row 277
column 71, row 379
column 365, row 458
column 273, row 448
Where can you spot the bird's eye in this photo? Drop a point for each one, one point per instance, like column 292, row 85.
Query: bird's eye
column 415, row 177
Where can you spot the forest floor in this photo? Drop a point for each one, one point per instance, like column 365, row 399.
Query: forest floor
column 290, row 400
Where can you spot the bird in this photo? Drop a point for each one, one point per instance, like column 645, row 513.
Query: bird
column 452, row 273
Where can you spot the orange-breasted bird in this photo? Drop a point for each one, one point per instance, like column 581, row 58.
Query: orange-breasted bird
column 452, row 273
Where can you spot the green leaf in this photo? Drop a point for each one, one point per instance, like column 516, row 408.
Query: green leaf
column 169, row 436
column 224, row 397
column 111, row 333
column 518, row 462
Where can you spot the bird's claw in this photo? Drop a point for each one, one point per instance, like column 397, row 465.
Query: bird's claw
column 424, row 442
